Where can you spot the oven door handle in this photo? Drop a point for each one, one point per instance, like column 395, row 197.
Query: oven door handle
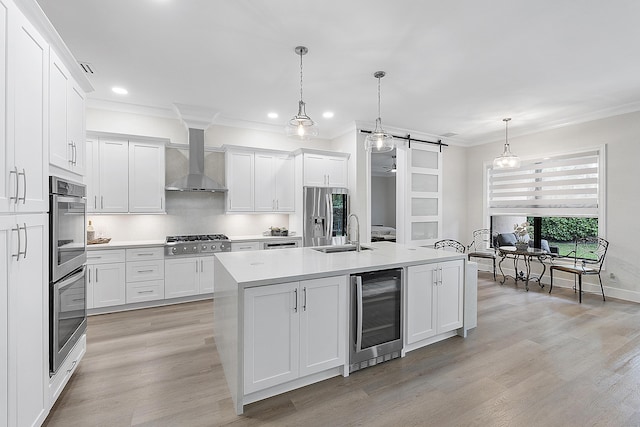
column 359, row 313
column 69, row 281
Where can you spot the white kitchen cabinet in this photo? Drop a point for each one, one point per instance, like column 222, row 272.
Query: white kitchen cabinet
column 107, row 176
column 24, row 110
column 292, row 330
column 245, row 246
column 106, row 278
column 66, row 118
column 188, row 276
column 146, row 177
column 434, row 300
column 322, row 170
column 239, row 179
column 145, row 274
column 274, row 182
column 24, row 304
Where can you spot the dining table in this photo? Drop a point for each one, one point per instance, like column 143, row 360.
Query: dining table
column 526, row 255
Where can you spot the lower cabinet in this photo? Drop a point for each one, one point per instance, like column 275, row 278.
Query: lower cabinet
column 292, row 330
column 106, row 280
column 24, row 332
column 434, row 299
column 145, row 275
column 188, row 276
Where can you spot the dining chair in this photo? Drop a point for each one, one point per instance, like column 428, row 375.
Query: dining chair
column 481, row 247
column 588, row 257
column 449, row 243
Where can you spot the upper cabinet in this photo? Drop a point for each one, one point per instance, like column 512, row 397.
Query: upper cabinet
column 125, row 176
column 320, row 170
column 146, row 177
column 260, row 181
column 66, row 119
column 24, row 64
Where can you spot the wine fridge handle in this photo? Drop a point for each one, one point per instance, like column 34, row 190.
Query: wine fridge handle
column 359, row 313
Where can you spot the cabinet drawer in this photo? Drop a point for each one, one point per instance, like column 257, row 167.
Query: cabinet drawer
column 141, row 254
column 105, row 256
column 149, row 290
column 68, row 367
column 245, row 246
column 138, row 271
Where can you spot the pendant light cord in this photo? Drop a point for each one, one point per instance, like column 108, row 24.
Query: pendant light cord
column 506, row 135
column 301, row 53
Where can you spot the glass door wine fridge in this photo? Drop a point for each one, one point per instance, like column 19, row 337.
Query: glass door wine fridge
column 375, row 329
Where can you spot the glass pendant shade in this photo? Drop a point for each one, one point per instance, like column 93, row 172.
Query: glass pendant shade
column 301, row 126
column 507, row 160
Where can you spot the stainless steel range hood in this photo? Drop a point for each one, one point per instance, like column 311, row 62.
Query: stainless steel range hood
column 196, row 180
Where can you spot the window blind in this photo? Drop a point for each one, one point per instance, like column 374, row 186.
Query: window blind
column 563, row 185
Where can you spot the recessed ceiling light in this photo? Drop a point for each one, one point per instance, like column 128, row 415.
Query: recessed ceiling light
column 327, row 114
column 119, row 90
column 272, row 115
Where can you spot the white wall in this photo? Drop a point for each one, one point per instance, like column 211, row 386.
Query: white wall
column 621, row 134
column 454, row 194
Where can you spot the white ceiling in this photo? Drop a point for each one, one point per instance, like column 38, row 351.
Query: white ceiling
column 452, row 66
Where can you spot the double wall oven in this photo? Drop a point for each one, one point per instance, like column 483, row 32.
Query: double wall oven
column 67, row 264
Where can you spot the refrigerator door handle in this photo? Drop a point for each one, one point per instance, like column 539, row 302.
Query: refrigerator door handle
column 329, row 216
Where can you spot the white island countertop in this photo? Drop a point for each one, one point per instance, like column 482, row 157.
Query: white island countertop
column 257, row 268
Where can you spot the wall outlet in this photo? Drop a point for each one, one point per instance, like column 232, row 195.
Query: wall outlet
column 612, row 276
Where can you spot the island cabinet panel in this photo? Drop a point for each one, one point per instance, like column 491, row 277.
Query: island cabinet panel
column 322, row 324
column 434, row 299
column 271, row 336
column 293, row 330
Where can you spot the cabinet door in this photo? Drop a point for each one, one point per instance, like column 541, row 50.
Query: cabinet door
column 264, row 183
column 146, row 177
column 240, row 181
column 206, row 274
column 271, row 336
column 75, row 127
column 337, row 171
column 323, row 324
column 109, row 286
column 28, row 86
column 92, row 175
column 60, row 147
column 284, row 184
column 421, row 318
column 450, row 296
column 181, row 277
column 6, row 162
column 28, row 298
column 315, row 173
column 113, row 195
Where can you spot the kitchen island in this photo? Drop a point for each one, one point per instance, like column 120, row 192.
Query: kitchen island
column 281, row 318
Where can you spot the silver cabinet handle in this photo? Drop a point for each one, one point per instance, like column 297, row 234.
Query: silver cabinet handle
column 145, row 271
column 70, row 144
column 202, row 266
column 295, row 309
column 15, row 171
column 95, row 202
column 89, row 274
column 434, row 276
column 101, row 202
column 96, row 275
column 72, row 366
column 304, row 299
column 146, row 292
column 26, row 241
column 24, row 188
column 75, row 154
column 161, row 203
column 145, row 254
column 17, row 255
column 359, row 313
column 196, row 266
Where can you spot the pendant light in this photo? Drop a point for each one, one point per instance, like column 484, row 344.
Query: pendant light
column 379, row 141
column 507, row 160
column 301, row 126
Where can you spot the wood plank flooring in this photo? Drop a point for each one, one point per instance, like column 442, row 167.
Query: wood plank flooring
column 534, row 360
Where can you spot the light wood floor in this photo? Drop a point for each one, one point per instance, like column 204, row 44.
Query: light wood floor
column 534, row 360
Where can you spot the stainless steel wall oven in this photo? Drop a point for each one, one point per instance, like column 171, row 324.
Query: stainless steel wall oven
column 376, row 318
column 67, row 259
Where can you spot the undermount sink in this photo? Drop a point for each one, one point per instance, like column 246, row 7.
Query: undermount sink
column 340, row 248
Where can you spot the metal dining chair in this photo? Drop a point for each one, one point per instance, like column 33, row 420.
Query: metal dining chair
column 588, row 257
column 449, row 243
column 481, row 247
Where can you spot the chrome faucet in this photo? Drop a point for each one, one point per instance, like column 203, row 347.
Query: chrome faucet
column 357, row 242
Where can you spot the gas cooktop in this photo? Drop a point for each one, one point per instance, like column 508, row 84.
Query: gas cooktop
column 197, row 244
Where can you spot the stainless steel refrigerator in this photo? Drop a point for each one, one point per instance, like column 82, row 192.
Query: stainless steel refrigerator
column 325, row 216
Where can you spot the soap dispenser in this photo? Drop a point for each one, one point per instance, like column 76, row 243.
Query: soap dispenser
column 91, row 233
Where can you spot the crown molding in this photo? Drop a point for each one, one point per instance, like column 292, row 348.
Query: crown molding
column 122, row 107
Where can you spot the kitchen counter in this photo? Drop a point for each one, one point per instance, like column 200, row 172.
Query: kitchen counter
column 126, row 244
column 250, row 269
column 261, row 238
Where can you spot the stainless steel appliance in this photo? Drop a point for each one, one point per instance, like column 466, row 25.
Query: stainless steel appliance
column 67, row 258
column 281, row 244
column 194, row 245
column 325, row 216
column 376, row 325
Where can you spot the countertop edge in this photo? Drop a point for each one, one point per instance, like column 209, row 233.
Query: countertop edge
column 126, row 244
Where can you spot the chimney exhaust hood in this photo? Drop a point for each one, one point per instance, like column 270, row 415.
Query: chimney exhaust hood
column 195, row 180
